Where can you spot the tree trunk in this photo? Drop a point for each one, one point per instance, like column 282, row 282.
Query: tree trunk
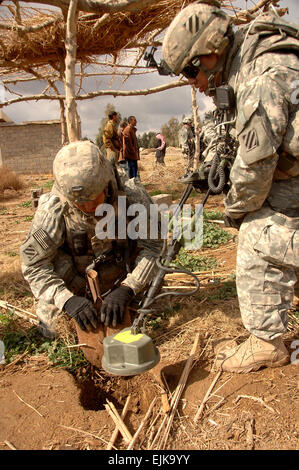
column 72, row 120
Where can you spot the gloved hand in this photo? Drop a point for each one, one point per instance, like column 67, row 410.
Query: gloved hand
column 114, row 305
column 83, row 312
column 234, row 223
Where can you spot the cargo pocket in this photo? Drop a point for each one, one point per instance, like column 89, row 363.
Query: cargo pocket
column 275, row 245
column 265, row 313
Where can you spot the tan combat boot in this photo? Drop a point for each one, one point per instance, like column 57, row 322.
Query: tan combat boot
column 251, row 355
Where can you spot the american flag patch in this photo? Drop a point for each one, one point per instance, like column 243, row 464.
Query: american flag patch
column 250, row 140
column 42, row 238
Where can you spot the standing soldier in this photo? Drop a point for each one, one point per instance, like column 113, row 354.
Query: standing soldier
column 187, row 144
column 259, row 65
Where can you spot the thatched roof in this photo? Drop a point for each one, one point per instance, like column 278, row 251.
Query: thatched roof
column 96, row 35
column 119, row 31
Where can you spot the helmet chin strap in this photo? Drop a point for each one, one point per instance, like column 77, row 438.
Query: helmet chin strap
column 211, row 74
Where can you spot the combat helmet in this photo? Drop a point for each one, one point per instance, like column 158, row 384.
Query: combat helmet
column 199, row 29
column 81, row 172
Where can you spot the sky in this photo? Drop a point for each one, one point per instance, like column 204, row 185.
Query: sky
column 151, row 111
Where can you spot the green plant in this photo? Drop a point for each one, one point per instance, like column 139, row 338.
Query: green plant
column 226, row 290
column 213, row 236
column 195, row 262
column 156, row 192
column 48, row 184
column 212, row 215
column 3, row 210
column 28, row 218
column 25, row 204
column 12, row 253
column 17, row 342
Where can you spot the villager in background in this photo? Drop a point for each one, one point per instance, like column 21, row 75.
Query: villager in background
column 160, row 149
column 254, row 70
column 130, row 147
column 111, row 139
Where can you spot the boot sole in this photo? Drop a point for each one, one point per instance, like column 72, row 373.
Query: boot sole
column 258, row 365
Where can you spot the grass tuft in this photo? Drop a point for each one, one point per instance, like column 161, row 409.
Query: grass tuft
column 9, row 180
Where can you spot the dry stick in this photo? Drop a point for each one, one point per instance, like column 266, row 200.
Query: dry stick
column 179, row 389
column 6, row 305
column 17, row 360
column 30, row 406
column 249, row 426
column 206, row 397
column 255, row 399
column 141, row 424
column 115, row 432
column 10, row 445
column 110, row 408
column 84, row 432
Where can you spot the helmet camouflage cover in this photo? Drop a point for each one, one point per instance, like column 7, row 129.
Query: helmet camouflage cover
column 187, row 120
column 81, row 172
column 198, row 29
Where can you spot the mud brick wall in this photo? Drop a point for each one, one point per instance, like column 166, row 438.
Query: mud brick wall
column 30, row 147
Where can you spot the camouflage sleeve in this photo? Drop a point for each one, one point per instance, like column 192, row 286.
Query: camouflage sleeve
column 250, row 185
column 262, row 120
column 39, row 250
column 150, row 248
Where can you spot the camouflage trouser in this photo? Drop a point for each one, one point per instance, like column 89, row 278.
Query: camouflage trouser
column 189, row 162
column 48, row 314
column 267, row 270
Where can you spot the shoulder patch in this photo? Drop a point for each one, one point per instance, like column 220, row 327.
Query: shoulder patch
column 250, row 140
column 30, row 252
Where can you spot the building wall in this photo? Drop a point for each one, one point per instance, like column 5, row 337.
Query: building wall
column 29, row 148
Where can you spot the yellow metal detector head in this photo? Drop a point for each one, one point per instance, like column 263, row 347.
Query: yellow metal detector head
column 127, row 353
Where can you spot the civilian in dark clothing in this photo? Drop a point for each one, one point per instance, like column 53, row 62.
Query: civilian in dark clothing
column 130, row 147
column 161, row 149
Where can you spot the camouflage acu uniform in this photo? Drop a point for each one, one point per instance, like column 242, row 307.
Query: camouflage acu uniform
column 265, row 178
column 61, row 243
column 187, row 144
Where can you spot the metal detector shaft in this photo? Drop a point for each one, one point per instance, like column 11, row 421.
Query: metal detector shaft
column 173, row 249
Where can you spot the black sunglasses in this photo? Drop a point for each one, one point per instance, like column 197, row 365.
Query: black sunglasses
column 191, row 70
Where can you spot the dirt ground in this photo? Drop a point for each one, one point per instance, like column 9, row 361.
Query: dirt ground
column 47, row 407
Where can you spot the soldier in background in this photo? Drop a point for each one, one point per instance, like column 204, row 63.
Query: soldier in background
column 62, row 242
column 187, row 144
column 260, row 63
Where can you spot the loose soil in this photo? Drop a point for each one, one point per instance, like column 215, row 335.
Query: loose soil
column 46, row 407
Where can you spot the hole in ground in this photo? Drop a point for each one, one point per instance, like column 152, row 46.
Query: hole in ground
column 96, row 387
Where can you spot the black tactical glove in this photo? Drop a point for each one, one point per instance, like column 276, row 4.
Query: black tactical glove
column 234, row 223
column 114, row 305
column 83, row 312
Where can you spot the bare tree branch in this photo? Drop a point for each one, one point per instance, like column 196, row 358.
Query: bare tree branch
column 100, row 6
column 88, row 96
column 27, row 29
